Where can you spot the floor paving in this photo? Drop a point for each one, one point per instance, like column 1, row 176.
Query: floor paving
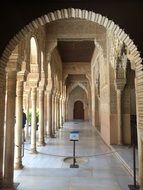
column 100, row 169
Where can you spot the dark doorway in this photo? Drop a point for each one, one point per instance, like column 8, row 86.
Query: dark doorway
column 78, row 112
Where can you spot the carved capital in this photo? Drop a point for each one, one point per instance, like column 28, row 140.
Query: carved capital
column 34, row 68
column 120, row 84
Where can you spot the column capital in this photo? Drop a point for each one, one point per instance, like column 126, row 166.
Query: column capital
column 41, row 86
column 33, row 79
column 120, row 84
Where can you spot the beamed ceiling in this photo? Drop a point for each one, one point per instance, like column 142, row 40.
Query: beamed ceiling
column 76, row 51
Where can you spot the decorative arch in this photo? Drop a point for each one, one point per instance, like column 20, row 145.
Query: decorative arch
column 74, row 13
column 76, row 85
column 134, row 54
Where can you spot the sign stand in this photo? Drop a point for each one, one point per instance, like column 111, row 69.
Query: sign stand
column 74, row 136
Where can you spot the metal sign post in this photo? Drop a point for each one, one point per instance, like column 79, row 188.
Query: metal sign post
column 74, row 136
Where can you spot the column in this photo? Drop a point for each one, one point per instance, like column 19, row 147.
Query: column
column 18, row 127
column 53, row 116
column 46, row 133
column 33, row 121
column 119, row 117
column 49, row 113
column 27, row 116
column 9, row 131
column 63, row 111
column 41, row 140
column 60, row 114
column 2, row 112
column 56, row 112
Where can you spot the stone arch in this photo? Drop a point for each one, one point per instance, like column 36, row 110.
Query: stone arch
column 73, row 96
column 74, row 13
column 134, row 54
column 76, row 85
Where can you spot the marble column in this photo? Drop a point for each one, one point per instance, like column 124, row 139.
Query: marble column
column 27, row 116
column 33, row 121
column 2, row 112
column 53, row 116
column 55, row 113
column 41, row 140
column 49, row 113
column 60, row 110
column 9, row 130
column 93, row 96
column 63, row 111
column 119, row 117
column 18, row 127
column 46, row 133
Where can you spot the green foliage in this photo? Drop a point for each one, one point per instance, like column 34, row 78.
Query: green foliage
column 30, row 115
column 29, row 118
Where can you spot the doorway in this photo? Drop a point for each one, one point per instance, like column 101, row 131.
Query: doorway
column 78, row 112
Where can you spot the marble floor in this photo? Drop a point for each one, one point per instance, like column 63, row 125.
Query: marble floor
column 101, row 170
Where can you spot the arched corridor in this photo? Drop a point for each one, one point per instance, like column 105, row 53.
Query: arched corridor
column 48, row 171
column 70, row 64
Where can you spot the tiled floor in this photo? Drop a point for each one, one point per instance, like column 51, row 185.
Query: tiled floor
column 45, row 171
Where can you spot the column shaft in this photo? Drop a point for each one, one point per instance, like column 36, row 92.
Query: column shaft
column 49, row 113
column 27, row 116
column 41, row 118
column 2, row 112
column 9, row 131
column 55, row 126
column 53, row 115
column 18, row 127
column 33, row 121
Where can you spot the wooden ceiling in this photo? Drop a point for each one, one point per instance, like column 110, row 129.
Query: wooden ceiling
column 76, row 51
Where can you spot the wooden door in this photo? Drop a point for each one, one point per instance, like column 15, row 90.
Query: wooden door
column 78, row 112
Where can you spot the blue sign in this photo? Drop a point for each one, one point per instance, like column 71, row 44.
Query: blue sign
column 74, row 135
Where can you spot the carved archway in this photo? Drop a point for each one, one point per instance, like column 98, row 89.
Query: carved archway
column 133, row 56
column 73, row 13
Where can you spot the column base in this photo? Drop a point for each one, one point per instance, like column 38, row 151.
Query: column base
column 41, row 143
column 120, row 144
column 33, row 151
column 18, row 166
column 53, row 136
column 48, row 135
